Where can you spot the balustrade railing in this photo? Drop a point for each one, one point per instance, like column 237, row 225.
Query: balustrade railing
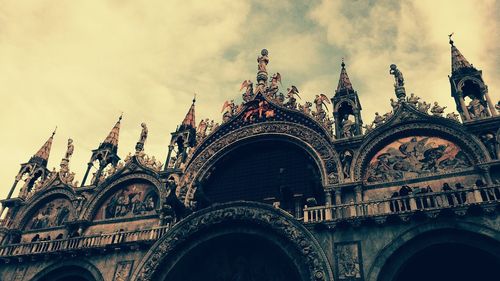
column 82, row 242
column 404, row 204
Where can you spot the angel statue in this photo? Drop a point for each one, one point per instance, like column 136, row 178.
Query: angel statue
column 413, row 100
column 292, row 101
column 228, row 109
column 423, row 107
column 437, row 110
column 70, row 149
column 319, row 101
column 398, row 76
column 248, row 95
column 395, row 104
column 453, row 116
column 378, row 120
column 274, row 81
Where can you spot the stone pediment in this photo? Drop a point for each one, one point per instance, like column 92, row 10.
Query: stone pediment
column 261, row 110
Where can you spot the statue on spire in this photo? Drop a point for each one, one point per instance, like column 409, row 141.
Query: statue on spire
column 142, row 139
column 70, row 149
column 263, row 60
column 399, row 82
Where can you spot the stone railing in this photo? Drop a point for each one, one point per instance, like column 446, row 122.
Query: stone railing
column 82, row 242
column 404, row 205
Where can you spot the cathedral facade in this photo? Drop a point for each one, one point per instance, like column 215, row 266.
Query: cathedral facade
column 277, row 191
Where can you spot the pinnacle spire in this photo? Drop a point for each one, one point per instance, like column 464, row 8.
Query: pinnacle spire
column 189, row 120
column 344, row 81
column 458, row 61
column 44, row 152
column 113, row 135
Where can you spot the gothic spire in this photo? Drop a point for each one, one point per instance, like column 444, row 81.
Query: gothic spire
column 42, row 156
column 189, row 120
column 458, row 61
column 344, row 81
column 113, row 135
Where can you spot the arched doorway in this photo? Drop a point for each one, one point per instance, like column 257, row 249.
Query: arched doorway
column 268, row 171
column 235, row 257
column 446, row 254
column 236, row 241
column 450, row 261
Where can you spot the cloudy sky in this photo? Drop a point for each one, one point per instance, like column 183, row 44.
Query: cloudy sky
column 79, row 64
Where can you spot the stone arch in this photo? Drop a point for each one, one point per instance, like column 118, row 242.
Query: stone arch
column 474, row 80
column 236, row 217
column 416, row 239
column 472, row 146
column 81, row 268
column 320, row 149
column 92, row 206
column 34, row 203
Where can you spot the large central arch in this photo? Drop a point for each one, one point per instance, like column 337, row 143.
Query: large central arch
column 227, row 229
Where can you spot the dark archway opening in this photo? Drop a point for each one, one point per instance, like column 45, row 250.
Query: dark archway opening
column 268, row 171
column 68, row 273
column 238, row 257
column 450, row 261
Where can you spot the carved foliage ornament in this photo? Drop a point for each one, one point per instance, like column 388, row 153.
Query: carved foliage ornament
column 308, row 250
column 205, row 158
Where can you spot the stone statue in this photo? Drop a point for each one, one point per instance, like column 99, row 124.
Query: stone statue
column 144, row 133
column 413, row 100
column 306, row 108
column 387, row 116
column 319, row 101
column 262, row 60
column 453, row 116
column 368, row 128
column 346, row 159
column 347, row 127
column 437, row 110
column 228, row 109
column 476, row 109
column 395, row 104
column 202, row 128
column 274, row 81
column 70, row 149
column 423, row 107
column 398, row 76
column 292, row 101
column 378, row 120
column 491, row 143
column 248, row 95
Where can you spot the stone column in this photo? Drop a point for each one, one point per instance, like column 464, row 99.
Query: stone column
column 338, row 201
column 485, row 173
column 169, row 154
column 493, row 111
column 328, row 204
column 337, row 127
column 357, row 121
column 359, row 199
column 465, row 111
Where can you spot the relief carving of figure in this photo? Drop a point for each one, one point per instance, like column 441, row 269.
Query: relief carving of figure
column 398, row 76
column 346, row 160
column 437, row 110
column 414, row 156
column 201, row 131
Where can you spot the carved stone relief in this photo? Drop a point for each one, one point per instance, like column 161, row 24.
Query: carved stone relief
column 123, row 270
column 348, row 262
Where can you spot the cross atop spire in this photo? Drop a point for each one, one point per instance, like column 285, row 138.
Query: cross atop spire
column 189, row 120
column 344, row 81
column 42, row 156
column 113, row 135
column 458, row 61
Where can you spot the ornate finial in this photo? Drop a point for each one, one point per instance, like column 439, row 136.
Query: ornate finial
column 449, row 36
column 262, row 61
column 343, row 63
column 120, row 118
column 194, row 98
column 264, row 52
column 142, row 139
column 399, row 82
column 54, row 132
